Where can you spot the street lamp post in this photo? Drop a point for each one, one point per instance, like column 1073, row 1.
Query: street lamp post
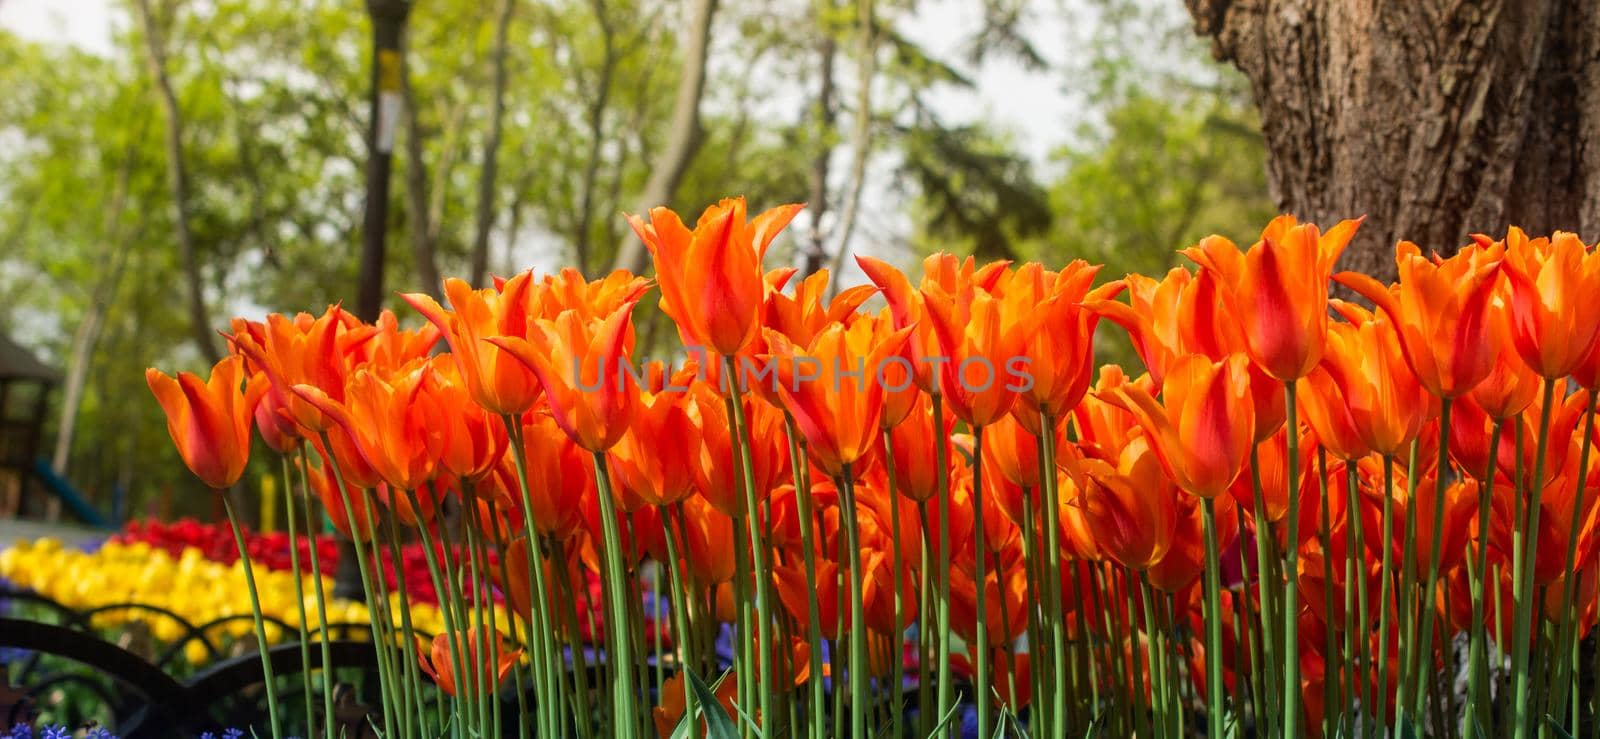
column 383, row 118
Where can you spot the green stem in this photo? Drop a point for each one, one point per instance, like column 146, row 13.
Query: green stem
column 1406, row 596
column 763, row 577
column 255, row 613
column 1567, row 630
column 858, row 617
column 1213, row 594
column 1522, row 578
column 1049, row 523
column 299, row 594
column 1385, row 577
column 539, row 635
column 942, row 475
column 624, row 703
column 1355, row 548
column 446, row 611
column 322, row 603
column 1155, row 655
column 1291, row 590
column 1267, row 636
column 680, row 611
column 802, row 491
column 1335, row 665
column 981, row 690
column 385, row 679
column 897, row 640
column 1423, row 650
column 408, row 643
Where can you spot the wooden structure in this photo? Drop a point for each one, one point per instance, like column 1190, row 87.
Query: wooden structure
column 25, row 387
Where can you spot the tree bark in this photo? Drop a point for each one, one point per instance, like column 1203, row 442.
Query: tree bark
column 491, row 148
column 178, row 183
column 685, row 136
column 823, row 113
column 87, row 336
column 860, row 134
column 1434, row 118
column 600, row 100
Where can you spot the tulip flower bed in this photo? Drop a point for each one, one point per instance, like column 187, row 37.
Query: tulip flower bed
column 198, row 590
column 1280, row 525
column 271, row 551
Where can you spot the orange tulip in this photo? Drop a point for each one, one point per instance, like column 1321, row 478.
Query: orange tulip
column 569, row 290
column 1322, row 406
column 1204, row 424
column 912, row 444
column 1441, row 313
column 1384, row 399
column 1511, row 384
column 209, row 420
column 560, row 476
column 392, row 424
column 655, row 459
column 1460, row 506
column 943, row 273
column 1278, row 290
column 837, row 400
column 326, row 488
column 496, row 381
column 435, row 658
column 302, row 351
column 1273, row 469
column 708, row 549
column 711, row 280
column 474, row 440
column 1132, row 506
column 1554, row 300
column 1185, row 560
column 1059, row 340
column 715, row 476
column 390, row 346
column 981, row 337
column 1187, row 314
column 583, row 366
column 674, row 702
column 804, row 315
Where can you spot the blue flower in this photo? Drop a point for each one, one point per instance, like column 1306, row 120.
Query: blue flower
column 20, row 731
column 56, row 732
column 232, row 734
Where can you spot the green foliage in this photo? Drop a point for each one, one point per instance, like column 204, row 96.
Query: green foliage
column 274, row 101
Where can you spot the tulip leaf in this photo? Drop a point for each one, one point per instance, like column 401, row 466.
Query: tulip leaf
column 719, row 725
column 1560, row 731
column 950, row 715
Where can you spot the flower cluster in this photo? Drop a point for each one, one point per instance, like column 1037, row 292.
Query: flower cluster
column 197, row 589
column 1282, row 520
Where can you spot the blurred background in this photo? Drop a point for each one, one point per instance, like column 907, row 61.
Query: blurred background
column 168, row 164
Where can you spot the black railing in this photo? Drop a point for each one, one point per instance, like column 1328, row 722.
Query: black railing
column 59, row 661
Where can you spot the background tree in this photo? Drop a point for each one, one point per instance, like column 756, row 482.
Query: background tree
column 1434, row 119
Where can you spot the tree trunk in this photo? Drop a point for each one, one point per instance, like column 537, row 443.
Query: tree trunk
column 178, row 184
column 491, row 149
column 1434, row 118
column 823, row 114
column 685, row 136
column 87, row 336
column 860, row 134
column 600, row 100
